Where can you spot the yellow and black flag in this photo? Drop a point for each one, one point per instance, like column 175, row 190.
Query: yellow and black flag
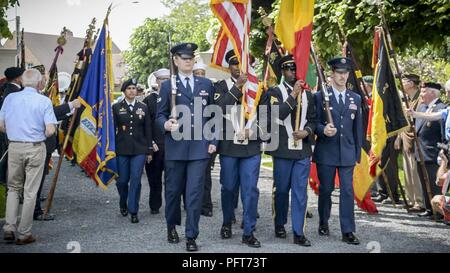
column 387, row 117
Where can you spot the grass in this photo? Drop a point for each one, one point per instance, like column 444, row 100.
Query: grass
column 267, row 161
column 2, row 200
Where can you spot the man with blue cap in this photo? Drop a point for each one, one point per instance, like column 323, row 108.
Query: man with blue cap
column 338, row 148
column 187, row 152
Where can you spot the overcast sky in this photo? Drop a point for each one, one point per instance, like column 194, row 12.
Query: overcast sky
column 50, row 16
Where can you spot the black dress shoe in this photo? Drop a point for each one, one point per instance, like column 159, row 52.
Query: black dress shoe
column 324, row 230
column 309, row 214
column 191, row 245
column 172, row 236
column 427, row 213
column 134, row 219
column 9, row 237
column 350, row 238
column 225, row 232
column 124, row 211
column 251, row 241
column 301, row 240
column 280, row 232
column 154, row 211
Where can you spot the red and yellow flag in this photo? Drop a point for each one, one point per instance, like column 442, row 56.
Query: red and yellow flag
column 293, row 28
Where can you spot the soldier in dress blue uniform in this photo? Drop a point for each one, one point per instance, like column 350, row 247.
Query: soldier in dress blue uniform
column 185, row 159
column 291, row 163
column 133, row 127
column 338, row 148
column 239, row 163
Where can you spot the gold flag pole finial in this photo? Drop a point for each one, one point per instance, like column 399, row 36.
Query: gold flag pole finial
column 62, row 37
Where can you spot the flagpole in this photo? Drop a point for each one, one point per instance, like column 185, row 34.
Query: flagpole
column 326, row 97
column 244, row 70
column 51, row 194
column 399, row 76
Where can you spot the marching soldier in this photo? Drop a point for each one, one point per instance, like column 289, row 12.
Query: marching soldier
column 338, row 148
column 239, row 163
column 154, row 168
column 291, row 160
column 186, row 158
column 133, row 128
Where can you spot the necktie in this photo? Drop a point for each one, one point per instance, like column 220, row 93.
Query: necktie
column 341, row 103
column 188, row 86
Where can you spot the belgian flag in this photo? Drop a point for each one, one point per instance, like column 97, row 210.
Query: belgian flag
column 293, row 28
column 387, row 117
column 362, row 180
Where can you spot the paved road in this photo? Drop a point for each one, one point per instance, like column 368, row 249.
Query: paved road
column 89, row 217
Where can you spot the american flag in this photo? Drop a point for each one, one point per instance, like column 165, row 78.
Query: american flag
column 235, row 19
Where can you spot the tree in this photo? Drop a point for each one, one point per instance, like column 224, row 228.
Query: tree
column 414, row 25
column 149, row 49
column 4, row 5
column 188, row 21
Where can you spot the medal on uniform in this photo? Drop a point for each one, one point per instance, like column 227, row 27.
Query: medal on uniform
column 124, row 128
column 352, row 116
column 140, row 113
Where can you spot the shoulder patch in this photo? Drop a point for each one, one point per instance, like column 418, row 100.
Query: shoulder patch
column 158, row 99
column 273, row 100
column 216, row 96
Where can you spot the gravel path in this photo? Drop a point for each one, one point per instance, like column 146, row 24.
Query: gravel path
column 88, row 220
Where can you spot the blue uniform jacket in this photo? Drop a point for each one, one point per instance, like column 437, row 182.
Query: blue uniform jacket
column 186, row 149
column 344, row 148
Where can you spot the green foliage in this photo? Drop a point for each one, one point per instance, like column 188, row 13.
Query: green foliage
column 424, row 64
column 420, row 32
column 4, row 5
column 413, row 25
column 188, row 21
column 149, row 49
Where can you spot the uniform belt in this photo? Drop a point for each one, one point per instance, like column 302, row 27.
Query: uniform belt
column 27, row 142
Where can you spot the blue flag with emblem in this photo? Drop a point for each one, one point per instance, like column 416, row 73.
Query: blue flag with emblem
column 94, row 142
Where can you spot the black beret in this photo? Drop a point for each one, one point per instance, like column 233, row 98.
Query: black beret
column 287, row 62
column 412, row 77
column 340, row 64
column 432, row 85
column 231, row 58
column 184, row 49
column 13, row 72
column 128, row 83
